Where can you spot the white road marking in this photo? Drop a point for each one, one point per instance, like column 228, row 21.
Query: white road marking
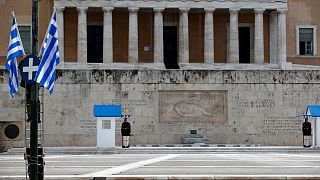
column 175, row 166
column 192, row 160
column 46, row 166
column 296, row 159
column 56, row 156
column 131, row 166
column 247, row 160
column 178, row 176
column 15, row 158
column 257, row 166
column 183, row 176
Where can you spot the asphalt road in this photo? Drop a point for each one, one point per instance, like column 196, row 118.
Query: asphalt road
column 163, row 166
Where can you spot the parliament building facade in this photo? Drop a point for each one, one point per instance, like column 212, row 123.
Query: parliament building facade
column 232, row 71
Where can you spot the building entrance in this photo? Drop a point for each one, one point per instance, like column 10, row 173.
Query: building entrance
column 95, row 44
column 244, row 45
column 170, row 47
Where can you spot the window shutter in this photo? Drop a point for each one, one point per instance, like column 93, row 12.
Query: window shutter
column 306, row 34
column 25, row 33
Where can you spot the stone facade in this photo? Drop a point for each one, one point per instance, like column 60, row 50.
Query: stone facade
column 227, row 102
column 129, row 34
column 299, row 12
column 226, row 106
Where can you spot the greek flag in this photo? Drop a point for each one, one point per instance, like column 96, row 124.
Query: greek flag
column 46, row 73
column 15, row 49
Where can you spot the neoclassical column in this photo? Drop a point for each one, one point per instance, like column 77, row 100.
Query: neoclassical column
column 158, row 35
column 133, row 35
column 60, row 25
column 184, row 36
column 107, row 35
column 234, row 36
column 282, row 39
column 82, row 34
column 273, row 18
column 258, row 37
column 209, row 36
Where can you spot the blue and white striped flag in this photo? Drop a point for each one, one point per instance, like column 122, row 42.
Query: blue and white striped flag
column 46, row 73
column 15, row 49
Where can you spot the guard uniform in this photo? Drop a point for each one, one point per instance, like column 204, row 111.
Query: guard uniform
column 125, row 132
column 306, row 129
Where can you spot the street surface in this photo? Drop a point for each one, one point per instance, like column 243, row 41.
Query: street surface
column 163, row 166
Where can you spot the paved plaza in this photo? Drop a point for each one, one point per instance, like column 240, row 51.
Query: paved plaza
column 173, row 165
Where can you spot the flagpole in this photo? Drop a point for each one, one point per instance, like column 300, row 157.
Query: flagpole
column 34, row 100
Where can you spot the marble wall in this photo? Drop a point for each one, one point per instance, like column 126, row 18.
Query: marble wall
column 226, row 106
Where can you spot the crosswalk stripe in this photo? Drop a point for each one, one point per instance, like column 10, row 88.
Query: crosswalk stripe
column 131, row 166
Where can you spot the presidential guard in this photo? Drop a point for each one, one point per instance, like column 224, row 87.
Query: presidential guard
column 306, row 130
column 125, row 132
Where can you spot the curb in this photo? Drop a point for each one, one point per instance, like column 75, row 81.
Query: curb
column 196, row 145
column 172, row 148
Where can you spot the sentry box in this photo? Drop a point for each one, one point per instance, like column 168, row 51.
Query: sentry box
column 313, row 111
column 106, row 131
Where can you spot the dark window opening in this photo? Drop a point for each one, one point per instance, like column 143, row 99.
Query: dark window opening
column 95, row 44
column 306, row 44
column 170, row 47
column 244, row 45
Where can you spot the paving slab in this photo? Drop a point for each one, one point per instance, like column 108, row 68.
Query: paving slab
column 301, row 164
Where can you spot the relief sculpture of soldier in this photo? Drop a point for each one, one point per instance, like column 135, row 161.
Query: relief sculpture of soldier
column 125, row 132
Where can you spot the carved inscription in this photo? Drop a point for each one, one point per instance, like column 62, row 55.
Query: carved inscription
column 192, row 106
column 264, row 103
column 276, row 125
column 129, row 105
column 89, row 126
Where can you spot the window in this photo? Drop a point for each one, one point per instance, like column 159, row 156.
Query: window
column 306, row 41
column 25, row 33
column 106, row 124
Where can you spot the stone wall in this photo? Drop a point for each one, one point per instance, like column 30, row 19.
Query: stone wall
column 226, row 106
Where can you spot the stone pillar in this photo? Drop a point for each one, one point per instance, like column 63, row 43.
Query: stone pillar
column 184, row 36
column 234, row 36
column 209, row 36
column 282, row 50
column 82, row 34
column 158, row 35
column 258, row 37
column 133, row 35
column 107, row 35
column 273, row 18
column 60, row 25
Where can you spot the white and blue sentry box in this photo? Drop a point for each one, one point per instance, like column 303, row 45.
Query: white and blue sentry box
column 314, row 112
column 106, row 125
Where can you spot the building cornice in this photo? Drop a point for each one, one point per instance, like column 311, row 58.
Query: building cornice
column 217, row 4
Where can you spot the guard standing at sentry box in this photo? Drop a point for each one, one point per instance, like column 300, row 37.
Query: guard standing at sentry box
column 125, row 132
column 306, row 130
